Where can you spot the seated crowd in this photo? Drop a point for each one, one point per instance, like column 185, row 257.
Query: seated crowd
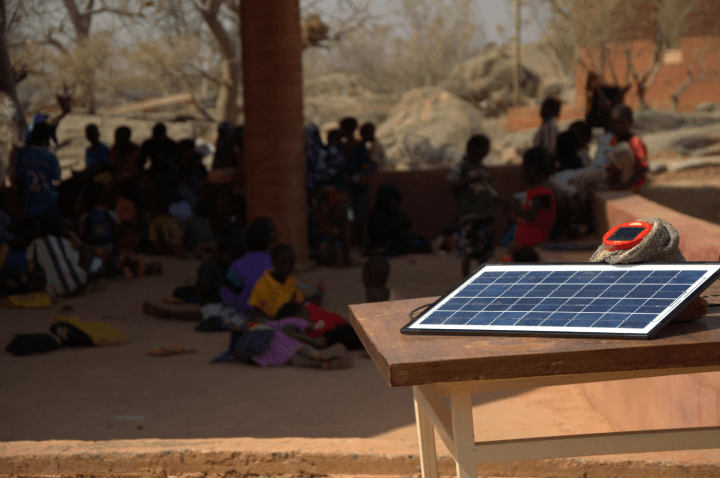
column 133, row 200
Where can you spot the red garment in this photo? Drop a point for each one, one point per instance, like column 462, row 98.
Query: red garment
column 538, row 231
column 323, row 321
column 641, row 162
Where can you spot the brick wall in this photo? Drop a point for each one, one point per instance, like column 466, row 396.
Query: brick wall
column 705, row 89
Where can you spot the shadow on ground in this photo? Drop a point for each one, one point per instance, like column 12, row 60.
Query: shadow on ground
column 123, row 393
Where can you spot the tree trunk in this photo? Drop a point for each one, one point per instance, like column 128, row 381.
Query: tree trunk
column 274, row 137
column 11, row 112
column 640, row 90
column 226, row 103
column 81, row 24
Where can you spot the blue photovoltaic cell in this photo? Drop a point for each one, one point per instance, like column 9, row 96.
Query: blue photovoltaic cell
column 582, row 299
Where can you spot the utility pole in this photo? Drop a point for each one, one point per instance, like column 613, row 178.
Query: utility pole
column 516, row 86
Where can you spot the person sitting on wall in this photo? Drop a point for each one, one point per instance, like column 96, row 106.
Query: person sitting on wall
column 537, row 215
column 628, row 159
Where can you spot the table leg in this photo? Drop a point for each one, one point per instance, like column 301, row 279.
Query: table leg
column 463, row 433
column 426, row 438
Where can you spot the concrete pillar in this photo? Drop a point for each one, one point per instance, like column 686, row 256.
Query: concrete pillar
column 274, row 136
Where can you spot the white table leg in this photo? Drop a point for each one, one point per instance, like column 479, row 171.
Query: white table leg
column 426, row 438
column 463, row 433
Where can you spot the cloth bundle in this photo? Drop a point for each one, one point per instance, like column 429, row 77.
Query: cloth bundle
column 662, row 244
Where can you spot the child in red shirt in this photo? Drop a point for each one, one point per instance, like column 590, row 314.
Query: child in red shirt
column 628, row 158
column 536, row 217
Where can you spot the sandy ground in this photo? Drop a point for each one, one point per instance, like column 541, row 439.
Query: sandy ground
column 123, row 393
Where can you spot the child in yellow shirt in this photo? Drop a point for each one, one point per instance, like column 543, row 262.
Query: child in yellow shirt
column 277, row 286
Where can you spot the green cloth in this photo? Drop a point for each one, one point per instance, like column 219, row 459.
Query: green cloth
column 473, row 200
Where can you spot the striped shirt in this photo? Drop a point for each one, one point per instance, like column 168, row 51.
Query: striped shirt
column 61, row 264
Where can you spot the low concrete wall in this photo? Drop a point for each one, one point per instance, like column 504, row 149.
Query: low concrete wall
column 303, row 457
column 428, row 201
column 661, row 402
column 699, row 239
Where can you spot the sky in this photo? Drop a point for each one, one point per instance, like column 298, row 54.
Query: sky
column 490, row 14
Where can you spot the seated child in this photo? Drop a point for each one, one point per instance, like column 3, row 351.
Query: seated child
column 284, row 341
column 245, row 272
column 18, row 275
column 473, row 195
column 99, row 229
column 536, row 217
column 199, row 239
column 628, row 158
column 210, row 277
column 127, row 211
column 59, row 261
column 165, row 235
column 277, row 294
column 277, row 286
column 525, row 255
column 375, row 275
column 571, row 146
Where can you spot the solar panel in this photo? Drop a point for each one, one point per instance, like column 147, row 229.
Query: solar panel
column 591, row 300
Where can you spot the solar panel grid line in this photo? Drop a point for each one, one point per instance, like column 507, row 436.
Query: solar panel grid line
column 583, row 278
column 565, row 300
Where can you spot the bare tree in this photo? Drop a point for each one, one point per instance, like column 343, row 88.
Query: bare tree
column 419, row 49
column 10, row 109
column 80, row 14
column 698, row 69
column 670, row 24
column 613, row 28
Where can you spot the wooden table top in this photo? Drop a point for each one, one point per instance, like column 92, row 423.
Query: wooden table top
column 406, row 360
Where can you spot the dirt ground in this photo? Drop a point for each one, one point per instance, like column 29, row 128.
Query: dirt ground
column 123, row 393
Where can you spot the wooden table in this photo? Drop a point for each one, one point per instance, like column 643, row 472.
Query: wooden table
column 437, row 366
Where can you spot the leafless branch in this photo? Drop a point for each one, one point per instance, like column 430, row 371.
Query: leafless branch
column 116, row 11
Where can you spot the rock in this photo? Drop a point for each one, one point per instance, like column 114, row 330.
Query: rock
column 657, row 168
column 337, row 84
column 650, row 121
column 429, row 126
column 553, row 89
column 328, row 98
column 708, row 108
column 489, row 76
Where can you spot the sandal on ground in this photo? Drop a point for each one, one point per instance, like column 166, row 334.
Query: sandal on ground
column 339, row 363
column 176, row 350
column 160, row 352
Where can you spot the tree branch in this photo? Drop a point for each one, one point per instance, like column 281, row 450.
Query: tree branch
column 116, row 11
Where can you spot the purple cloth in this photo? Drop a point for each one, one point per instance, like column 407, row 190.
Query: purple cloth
column 282, row 347
column 241, row 278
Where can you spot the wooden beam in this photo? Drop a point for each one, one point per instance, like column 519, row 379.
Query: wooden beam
column 483, row 386
column 426, row 439
column 598, row 444
column 463, row 434
column 438, row 414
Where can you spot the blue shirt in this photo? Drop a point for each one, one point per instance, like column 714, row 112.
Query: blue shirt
column 100, row 156
column 36, row 170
